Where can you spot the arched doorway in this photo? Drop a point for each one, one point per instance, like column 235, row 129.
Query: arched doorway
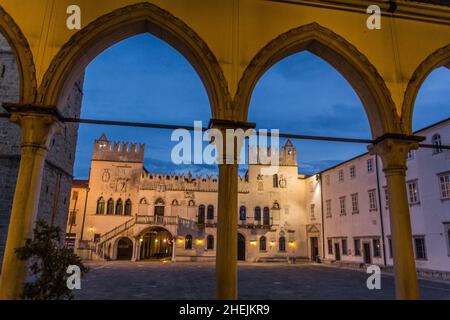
column 124, row 249
column 156, row 243
column 159, row 210
column 241, row 247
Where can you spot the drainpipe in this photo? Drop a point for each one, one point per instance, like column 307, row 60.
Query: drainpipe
column 381, row 212
column 323, row 219
column 84, row 214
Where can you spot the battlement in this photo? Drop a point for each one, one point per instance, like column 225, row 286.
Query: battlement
column 287, row 157
column 106, row 150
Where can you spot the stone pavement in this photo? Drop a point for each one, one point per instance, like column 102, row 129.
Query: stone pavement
column 195, row 281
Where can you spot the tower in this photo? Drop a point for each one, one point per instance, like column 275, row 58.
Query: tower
column 288, row 155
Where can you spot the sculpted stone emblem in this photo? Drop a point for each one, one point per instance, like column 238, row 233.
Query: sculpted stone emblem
column 121, row 185
column 106, row 176
column 189, row 195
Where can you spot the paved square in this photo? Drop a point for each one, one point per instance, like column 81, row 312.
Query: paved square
column 195, row 281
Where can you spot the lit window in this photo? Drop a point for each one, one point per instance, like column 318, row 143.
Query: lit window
column 444, row 182
column 413, row 193
column 372, row 200
column 376, row 248
column 355, row 205
column 370, row 165
column 342, row 206
column 419, row 246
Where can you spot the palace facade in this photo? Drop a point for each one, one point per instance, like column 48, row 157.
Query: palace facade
column 338, row 215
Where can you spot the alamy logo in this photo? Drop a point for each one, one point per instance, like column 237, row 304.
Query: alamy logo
column 374, row 20
column 374, row 281
column 74, row 280
column 228, row 149
column 74, row 20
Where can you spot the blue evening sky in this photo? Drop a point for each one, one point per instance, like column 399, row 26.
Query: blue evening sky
column 144, row 79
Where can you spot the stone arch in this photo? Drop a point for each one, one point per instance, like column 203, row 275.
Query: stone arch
column 23, row 55
column 121, row 24
column 438, row 58
column 338, row 52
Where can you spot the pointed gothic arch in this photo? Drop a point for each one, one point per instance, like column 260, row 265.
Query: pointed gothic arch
column 339, row 53
column 438, row 58
column 23, row 55
column 119, row 25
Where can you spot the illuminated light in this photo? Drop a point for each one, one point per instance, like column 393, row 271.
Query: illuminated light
column 180, row 240
column 91, row 229
column 291, row 243
column 141, row 240
column 156, row 240
column 253, row 242
column 272, row 243
column 165, row 240
column 199, row 241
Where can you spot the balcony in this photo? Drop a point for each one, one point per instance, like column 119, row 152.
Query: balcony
column 157, row 220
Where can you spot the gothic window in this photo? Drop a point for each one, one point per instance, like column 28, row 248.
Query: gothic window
column 210, row 212
column 262, row 243
column 275, row 181
column 266, row 216
column 143, row 201
column 201, row 214
column 175, row 202
column 258, row 214
column 282, row 244
column 276, row 205
column 437, row 143
column 128, row 207
column 188, row 242
column 119, row 207
column 242, row 213
column 210, row 242
column 100, row 206
column 110, row 207
column 159, row 202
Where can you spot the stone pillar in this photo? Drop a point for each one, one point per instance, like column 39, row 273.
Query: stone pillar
column 174, row 247
column 226, row 250
column 38, row 124
column 393, row 150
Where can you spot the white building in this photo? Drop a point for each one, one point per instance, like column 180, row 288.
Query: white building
column 339, row 215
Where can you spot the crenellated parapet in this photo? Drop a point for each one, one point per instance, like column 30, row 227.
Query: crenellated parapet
column 106, row 150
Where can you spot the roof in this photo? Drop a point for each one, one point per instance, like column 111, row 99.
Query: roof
column 80, row 184
column 438, row 2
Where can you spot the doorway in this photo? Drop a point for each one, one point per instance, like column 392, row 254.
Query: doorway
column 156, row 243
column 337, row 252
column 124, row 249
column 366, row 253
column 241, row 247
column 314, row 248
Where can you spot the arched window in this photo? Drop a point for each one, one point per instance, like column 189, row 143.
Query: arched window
column 275, row 181
column 188, row 242
column 258, row 214
column 159, row 202
column 262, row 243
column 210, row 242
column 175, row 202
column 437, row 143
column 128, row 207
column 143, row 201
column 191, row 203
column 201, row 214
column 210, row 212
column 282, row 244
column 100, row 206
column 266, row 216
column 242, row 213
column 110, row 207
column 119, row 207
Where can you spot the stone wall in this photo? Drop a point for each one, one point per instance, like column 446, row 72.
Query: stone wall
column 57, row 179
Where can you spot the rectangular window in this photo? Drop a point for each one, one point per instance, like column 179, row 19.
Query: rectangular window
column 357, row 244
column 419, row 246
column 413, row 192
column 372, row 200
column 342, row 206
column 327, row 179
column 391, row 251
column 352, row 172
column 370, row 165
column 97, row 237
column 376, row 248
column 330, row 246
column 344, row 247
column 328, row 210
column 355, row 205
column 444, row 182
column 341, row 175
column 386, row 197
column 312, row 212
column 75, row 195
column 410, row 155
